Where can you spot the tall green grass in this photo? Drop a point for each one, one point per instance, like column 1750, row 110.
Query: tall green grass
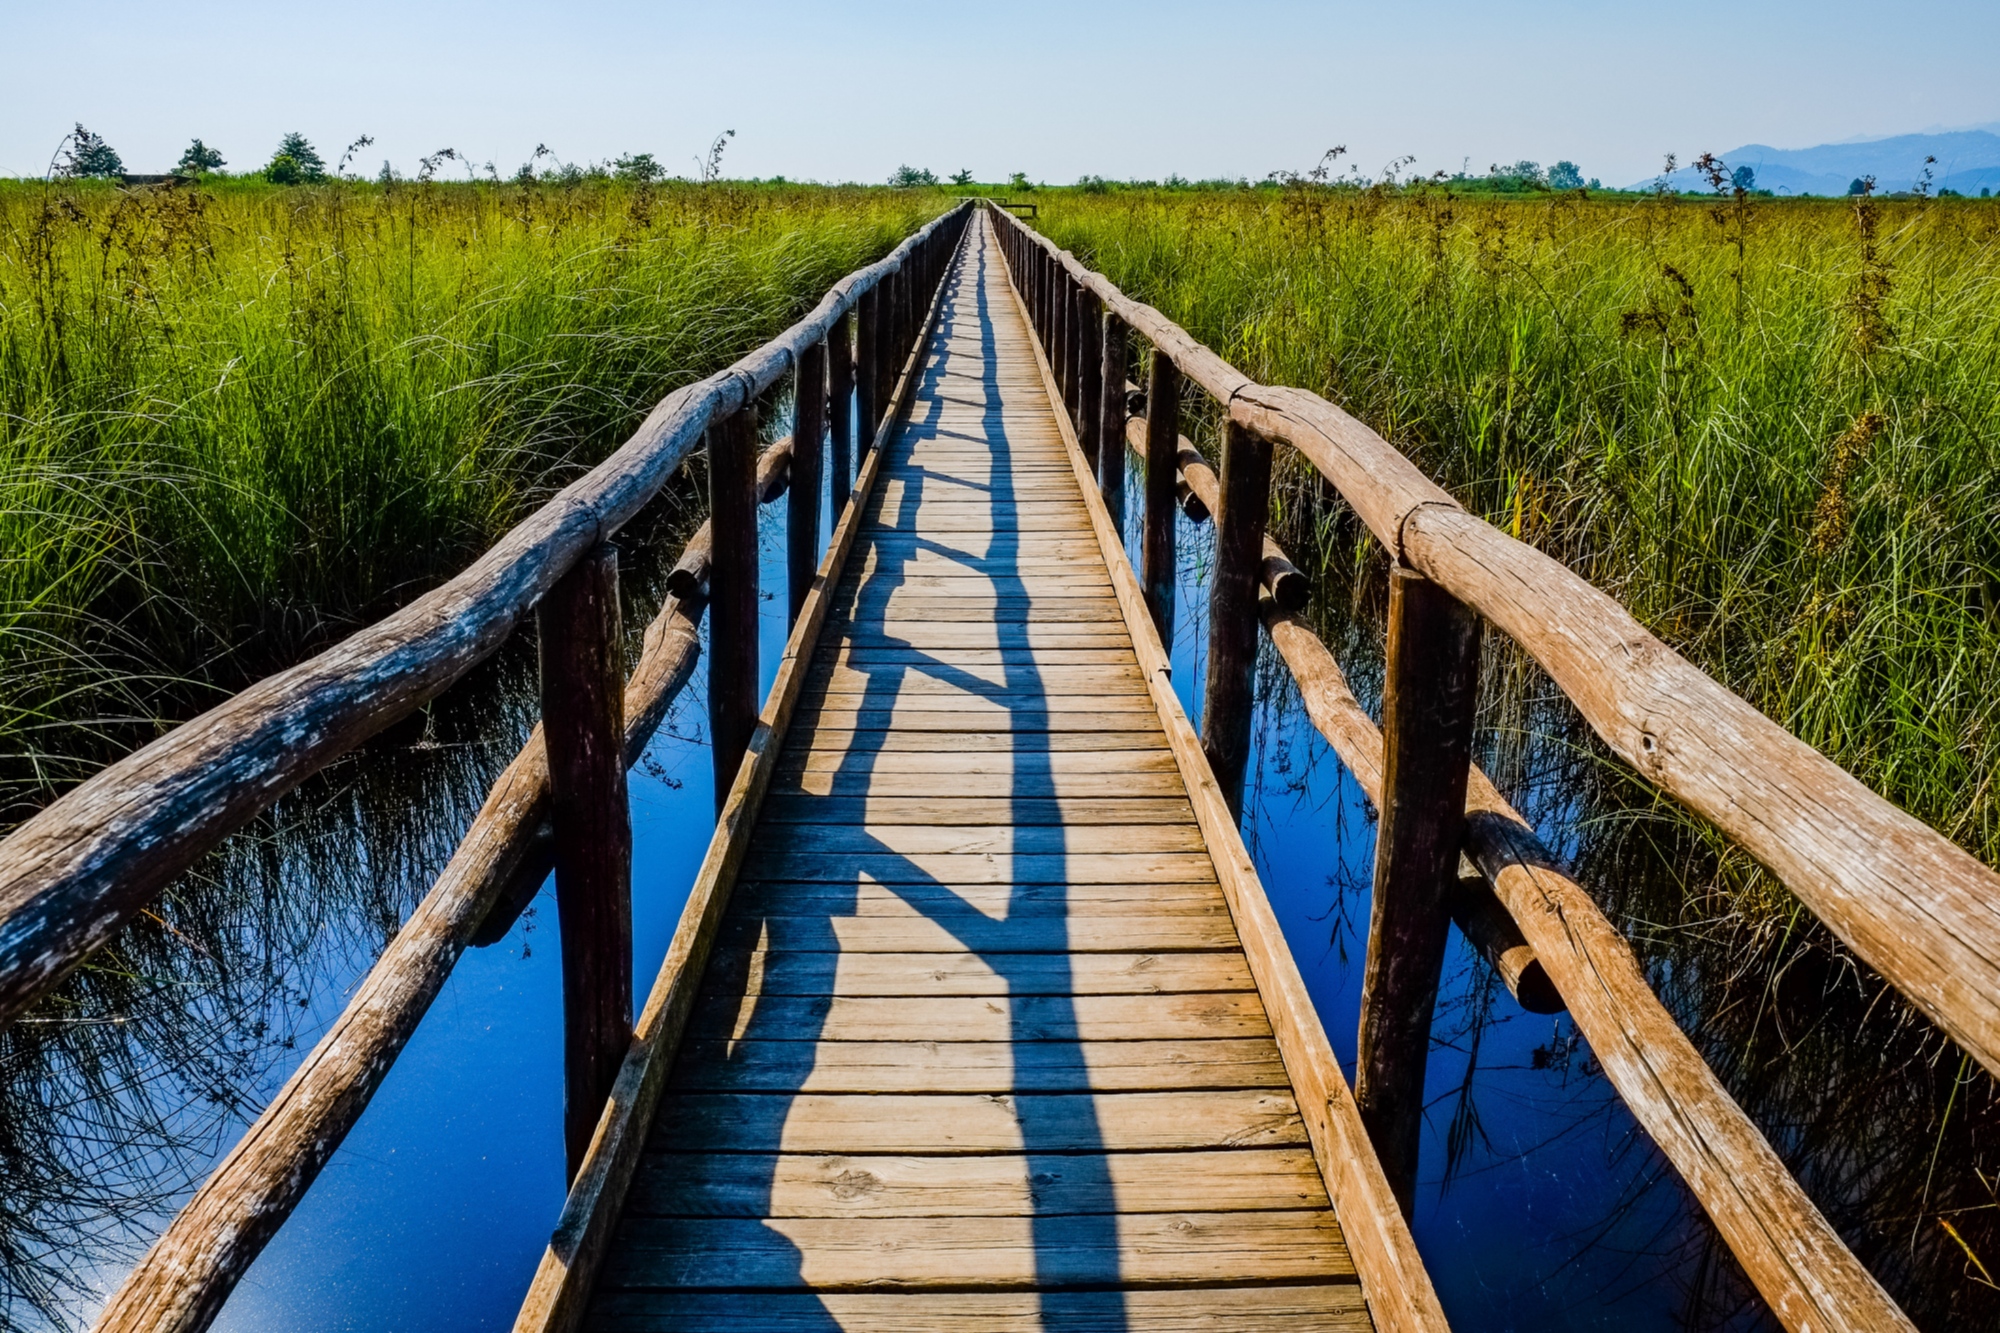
column 238, row 421
column 1771, row 428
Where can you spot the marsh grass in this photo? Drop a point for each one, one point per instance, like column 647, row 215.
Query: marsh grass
column 237, row 422
column 1771, row 429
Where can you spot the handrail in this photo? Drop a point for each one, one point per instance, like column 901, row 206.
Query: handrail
column 1915, row 906
column 1795, row 1258
column 76, row 871
column 187, row 1275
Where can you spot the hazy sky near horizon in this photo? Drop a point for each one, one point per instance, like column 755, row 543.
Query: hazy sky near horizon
column 849, row 91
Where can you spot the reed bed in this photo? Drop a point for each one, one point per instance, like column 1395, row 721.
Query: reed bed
column 238, row 421
column 1771, row 428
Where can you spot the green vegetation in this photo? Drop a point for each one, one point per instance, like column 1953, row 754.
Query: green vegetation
column 238, row 421
column 1771, row 429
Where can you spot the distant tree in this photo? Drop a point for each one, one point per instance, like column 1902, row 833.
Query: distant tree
column 1744, row 179
column 296, row 162
column 1596, row 184
column 904, row 178
column 1858, row 186
column 1986, row 192
column 199, row 160
column 637, row 167
column 1565, row 175
column 89, row 155
column 961, row 178
column 1019, row 181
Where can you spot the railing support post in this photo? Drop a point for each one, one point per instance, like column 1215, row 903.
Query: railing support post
column 1230, row 691
column 1111, row 420
column 1158, row 560
column 732, row 591
column 867, row 347
column 802, row 499
column 1429, row 691
column 840, row 398
column 1089, row 366
column 583, row 729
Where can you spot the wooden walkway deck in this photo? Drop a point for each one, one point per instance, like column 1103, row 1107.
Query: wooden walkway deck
column 978, row 1047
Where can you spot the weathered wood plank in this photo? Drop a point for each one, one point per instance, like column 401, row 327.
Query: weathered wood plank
column 834, row 839
column 833, row 1254
column 1014, row 811
column 767, row 863
column 761, row 972
column 753, row 1065
column 1000, row 1018
column 1086, row 931
column 1324, row 1308
column 859, row 779
column 802, row 1185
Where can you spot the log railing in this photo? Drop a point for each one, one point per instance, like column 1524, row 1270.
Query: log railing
column 1918, row 908
column 71, row 875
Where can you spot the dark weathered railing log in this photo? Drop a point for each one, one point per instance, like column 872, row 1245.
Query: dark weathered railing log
column 1158, row 559
column 1110, row 427
column 583, row 731
column 1920, row 910
column 185, row 1277
column 72, row 875
column 1796, row 1260
column 840, row 404
column 1429, row 691
column 1229, row 688
column 732, row 624
column 802, row 514
column 689, row 576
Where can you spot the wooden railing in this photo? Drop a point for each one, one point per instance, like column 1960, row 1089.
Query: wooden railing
column 1918, row 908
column 72, row 875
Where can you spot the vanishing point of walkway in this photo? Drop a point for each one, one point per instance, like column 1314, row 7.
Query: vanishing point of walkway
column 978, row 1047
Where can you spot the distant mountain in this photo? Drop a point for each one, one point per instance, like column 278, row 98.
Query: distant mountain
column 1967, row 161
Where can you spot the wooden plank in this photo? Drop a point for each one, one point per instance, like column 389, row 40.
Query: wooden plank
column 1018, row 1018
column 833, row 839
column 1323, row 1308
column 1015, row 811
column 769, row 863
column 835, row 741
column 806, row 1185
column 915, row 717
column 753, row 1065
column 761, row 972
column 948, row 1123
column 1088, row 931
column 983, row 682
column 984, row 710
column 798, row 760
column 1001, row 900
column 898, row 1253
column 860, row 779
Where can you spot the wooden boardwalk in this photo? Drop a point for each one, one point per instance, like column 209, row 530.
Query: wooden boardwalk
column 978, row 1047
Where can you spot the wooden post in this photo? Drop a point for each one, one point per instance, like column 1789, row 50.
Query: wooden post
column 732, row 591
column 865, row 377
column 1089, row 369
column 1230, row 689
column 583, row 728
column 1429, row 691
column 840, row 396
column 1111, row 420
column 1157, row 556
column 1066, row 341
column 802, row 509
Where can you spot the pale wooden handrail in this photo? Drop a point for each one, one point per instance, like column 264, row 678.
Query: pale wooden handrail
column 1915, row 906
column 79, row 869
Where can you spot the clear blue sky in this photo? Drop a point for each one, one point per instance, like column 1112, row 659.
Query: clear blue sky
column 849, row 91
